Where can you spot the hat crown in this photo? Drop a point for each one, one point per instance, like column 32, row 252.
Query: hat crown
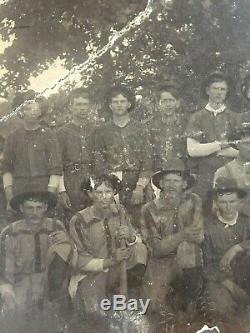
column 223, row 183
column 174, row 164
column 31, row 186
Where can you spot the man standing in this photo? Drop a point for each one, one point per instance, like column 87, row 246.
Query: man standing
column 32, row 250
column 31, row 153
column 74, row 139
column 207, row 132
column 166, row 127
column 227, row 240
column 121, row 147
column 98, row 232
column 172, row 227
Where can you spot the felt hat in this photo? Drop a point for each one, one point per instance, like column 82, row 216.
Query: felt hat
column 226, row 185
column 33, row 191
column 174, row 165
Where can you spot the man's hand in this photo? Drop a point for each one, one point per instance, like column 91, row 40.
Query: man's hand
column 63, row 200
column 138, row 195
column 224, row 145
column 125, row 233
column 193, row 234
column 121, row 254
column 59, row 237
column 8, row 296
column 225, row 263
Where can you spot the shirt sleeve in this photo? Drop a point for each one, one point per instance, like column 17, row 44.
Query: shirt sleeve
column 194, row 128
column 99, row 148
column 79, row 234
column 53, row 154
column 146, row 153
column 7, row 257
column 8, row 155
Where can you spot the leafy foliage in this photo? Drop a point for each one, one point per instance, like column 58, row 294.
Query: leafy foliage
column 184, row 39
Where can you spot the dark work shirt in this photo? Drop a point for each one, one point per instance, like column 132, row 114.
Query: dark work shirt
column 205, row 127
column 166, row 138
column 121, row 148
column 75, row 144
column 32, row 153
column 219, row 239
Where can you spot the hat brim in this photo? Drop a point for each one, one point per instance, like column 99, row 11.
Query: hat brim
column 44, row 196
column 185, row 174
column 214, row 192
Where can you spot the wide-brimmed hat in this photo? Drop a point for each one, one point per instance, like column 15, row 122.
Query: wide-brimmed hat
column 226, row 185
column 174, row 165
column 33, row 191
column 213, row 77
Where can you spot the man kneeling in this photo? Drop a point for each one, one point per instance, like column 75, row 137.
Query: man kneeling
column 98, row 232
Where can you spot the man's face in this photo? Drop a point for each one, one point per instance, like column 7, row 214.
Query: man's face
column 168, row 103
column 33, row 211
column 217, row 92
column 244, row 148
column 31, row 112
column 172, row 184
column 119, row 105
column 103, row 196
column 228, row 205
column 80, row 108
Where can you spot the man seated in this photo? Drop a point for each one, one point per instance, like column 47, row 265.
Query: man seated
column 239, row 168
column 226, row 244
column 34, row 252
column 172, row 227
column 98, row 232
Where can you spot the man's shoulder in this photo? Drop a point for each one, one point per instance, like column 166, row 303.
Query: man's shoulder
column 13, row 228
column 225, row 169
column 83, row 217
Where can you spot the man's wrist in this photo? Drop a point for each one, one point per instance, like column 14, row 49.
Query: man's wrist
column 109, row 262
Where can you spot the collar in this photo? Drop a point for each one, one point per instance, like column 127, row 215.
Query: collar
column 209, row 108
column 226, row 222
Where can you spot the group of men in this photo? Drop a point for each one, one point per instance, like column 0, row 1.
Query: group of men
column 135, row 218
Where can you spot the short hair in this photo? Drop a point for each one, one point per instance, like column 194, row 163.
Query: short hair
column 124, row 91
column 110, row 180
column 79, row 92
column 173, row 90
column 30, row 96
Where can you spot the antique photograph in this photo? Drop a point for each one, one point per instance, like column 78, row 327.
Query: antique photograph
column 124, row 166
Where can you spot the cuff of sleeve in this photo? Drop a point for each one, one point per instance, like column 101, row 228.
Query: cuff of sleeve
column 61, row 187
column 95, row 265
column 7, row 179
column 54, row 181
column 137, row 240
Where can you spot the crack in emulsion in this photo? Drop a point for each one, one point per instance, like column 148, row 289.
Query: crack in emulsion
column 137, row 21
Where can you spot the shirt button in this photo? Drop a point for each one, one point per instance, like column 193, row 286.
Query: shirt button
column 34, row 146
column 42, row 130
column 82, row 136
